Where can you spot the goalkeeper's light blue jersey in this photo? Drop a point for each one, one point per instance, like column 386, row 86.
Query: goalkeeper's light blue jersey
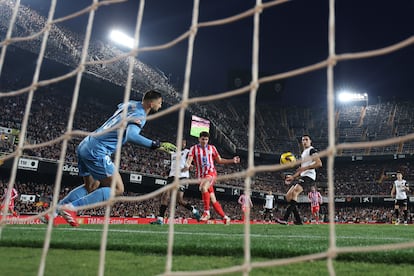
column 135, row 114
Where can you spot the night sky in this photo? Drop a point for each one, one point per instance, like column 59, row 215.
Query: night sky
column 292, row 35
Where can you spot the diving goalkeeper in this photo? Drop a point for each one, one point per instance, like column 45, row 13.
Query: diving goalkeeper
column 94, row 156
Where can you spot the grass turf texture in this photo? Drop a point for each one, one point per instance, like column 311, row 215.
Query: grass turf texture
column 141, row 248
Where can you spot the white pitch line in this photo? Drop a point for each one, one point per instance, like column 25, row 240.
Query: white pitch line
column 83, row 229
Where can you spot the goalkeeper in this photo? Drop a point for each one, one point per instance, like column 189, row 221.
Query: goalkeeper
column 94, row 155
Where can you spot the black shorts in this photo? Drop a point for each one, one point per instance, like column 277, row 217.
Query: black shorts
column 401, row 202
column 306, row 182
column 182, row 188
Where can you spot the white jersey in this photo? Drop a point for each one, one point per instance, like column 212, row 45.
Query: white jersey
column 400, row 192
column 184, row 154
column 307, row 153
column 269, row 199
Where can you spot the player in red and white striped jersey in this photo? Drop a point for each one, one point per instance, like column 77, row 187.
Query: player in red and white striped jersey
column 203, row 156
column 316, row 200
column 13, row 196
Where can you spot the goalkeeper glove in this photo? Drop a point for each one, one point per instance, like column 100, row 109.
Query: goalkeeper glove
column 155, row 144
column 168, row 147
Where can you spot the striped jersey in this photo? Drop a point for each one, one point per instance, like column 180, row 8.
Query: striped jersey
column 315, row 198
column 245, row 200
column 13, row 195
column 203, row 158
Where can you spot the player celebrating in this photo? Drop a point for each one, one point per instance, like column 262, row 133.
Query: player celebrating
column 245, row 203
column 399, row 190
column 268, row 206
column 10, row 208
column 204, row 156
column 180, row 194
column 94, row 156
column 316, row 200
column 306, row 175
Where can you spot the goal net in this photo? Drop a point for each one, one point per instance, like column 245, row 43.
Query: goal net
column 24, row 29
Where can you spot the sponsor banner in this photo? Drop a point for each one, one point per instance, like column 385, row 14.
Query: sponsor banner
column 366, row 199
column 84, row 220
column 236, row 192
column 70, row 169
column 220, row 189
column 5, row 130
column 28, row 164
column 27, row 198
column 159, row 181
column 135, row 178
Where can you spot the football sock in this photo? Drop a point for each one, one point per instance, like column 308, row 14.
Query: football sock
column 206, row 199
column 405, row 215
column 291, row 207
column 218, row 209
column 397, row 213
column 96, row 196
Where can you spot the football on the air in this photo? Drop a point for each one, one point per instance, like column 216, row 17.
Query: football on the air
column 287, row 158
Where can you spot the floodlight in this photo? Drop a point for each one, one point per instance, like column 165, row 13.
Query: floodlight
column 121, row 38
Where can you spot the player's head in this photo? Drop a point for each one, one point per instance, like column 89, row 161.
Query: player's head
column 152, row 99
column 183, row 143
column 306, row 141
column 399, row 175
column 203, row 138
column 313, row 188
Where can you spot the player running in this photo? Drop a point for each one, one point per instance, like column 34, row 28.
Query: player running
column 316, row 201
column 204, row 155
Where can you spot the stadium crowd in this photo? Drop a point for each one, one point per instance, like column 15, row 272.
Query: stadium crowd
column 49, row 118
column 148, row 208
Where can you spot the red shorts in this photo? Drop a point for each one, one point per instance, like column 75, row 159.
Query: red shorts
column 212, row 176
column 315, row 209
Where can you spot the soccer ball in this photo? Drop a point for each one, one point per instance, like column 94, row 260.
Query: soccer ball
column 287, row 158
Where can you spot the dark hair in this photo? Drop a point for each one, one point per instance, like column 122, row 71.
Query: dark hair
column 204, row 134
column 307, row 135
column 151, row 95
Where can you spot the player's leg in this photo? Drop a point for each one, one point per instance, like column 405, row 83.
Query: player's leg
column 185, row 204
column 217, row 206
column 292, row 194
column 205, row 195
column 397, row 213
column 405, row 212
column 165, row 198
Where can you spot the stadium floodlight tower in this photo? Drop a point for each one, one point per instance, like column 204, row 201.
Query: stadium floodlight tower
column 353, row 98
column 121, row 38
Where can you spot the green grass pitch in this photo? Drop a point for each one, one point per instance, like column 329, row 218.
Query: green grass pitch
column 141, row 249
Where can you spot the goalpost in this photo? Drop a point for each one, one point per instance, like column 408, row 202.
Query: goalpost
column 49, row 30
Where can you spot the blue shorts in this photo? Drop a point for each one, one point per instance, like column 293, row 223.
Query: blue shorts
column 93, row 160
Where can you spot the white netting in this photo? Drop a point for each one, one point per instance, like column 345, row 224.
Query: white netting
column 45, row 38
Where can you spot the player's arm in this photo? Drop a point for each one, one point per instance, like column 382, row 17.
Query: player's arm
column 239, row 200
column 188, row 163
column 393, row 190
column 315, row 165
column 14, row 196
column 133, row 135
column 234, row 160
